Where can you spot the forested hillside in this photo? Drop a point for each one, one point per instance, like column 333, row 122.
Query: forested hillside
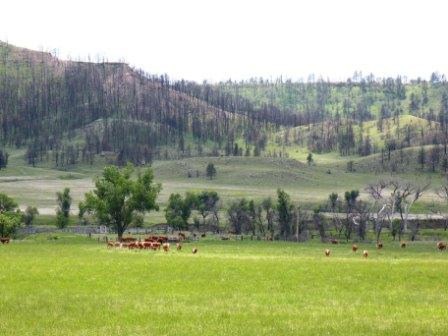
column 69, row 112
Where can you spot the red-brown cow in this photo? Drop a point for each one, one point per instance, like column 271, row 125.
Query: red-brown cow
column 441, row 246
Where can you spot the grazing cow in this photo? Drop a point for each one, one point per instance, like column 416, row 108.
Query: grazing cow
column 441, row 246
column 4, row 240
column 133, row 245
column 334, row 241
column 124, row 245
column 110, row 244
column 354, row 247
column 117, row 244
column 166, row 247
column 194, row 250
column 155, row 246
column 327, row 252
column 379, row 246
column 178, row 246
column 365, row 253
column 403, row 245
column 182, row 236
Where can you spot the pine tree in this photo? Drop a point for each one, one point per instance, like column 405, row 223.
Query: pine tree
column 210, row 171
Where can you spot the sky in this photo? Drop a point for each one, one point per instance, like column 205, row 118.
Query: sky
column 239, row 39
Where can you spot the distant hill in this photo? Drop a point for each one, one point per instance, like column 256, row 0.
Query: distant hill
column 68, row 112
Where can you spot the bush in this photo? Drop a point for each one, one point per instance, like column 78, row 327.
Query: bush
column 29, row 214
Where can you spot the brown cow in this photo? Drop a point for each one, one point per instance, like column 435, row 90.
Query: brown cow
column 403, row 245
column 178, row 246
column 4, row 240
column 194, row 250
column 379, row 245
column 182, row 236
column 110, row 244
column 365, row 253
column 354, row 247
column 334, row 241
column 166, row 247
column 327, row 252
column 441, row 246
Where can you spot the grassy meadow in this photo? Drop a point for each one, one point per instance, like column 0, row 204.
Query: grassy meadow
column 76, row 286
column 251, row 177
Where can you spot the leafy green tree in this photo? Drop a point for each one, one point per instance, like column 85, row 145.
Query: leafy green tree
column 7, row 204
column 29, row 214
column 268, row 206
column 210, row 171
column 350, row 200
column 117, row 198
column 8, row 224
column 64, row 201
column 238, row 216
column 206, row 203
column 178, row 210
column 284, row 210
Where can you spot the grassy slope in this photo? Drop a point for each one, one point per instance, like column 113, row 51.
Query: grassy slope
column 254, row 178
column 77, row 287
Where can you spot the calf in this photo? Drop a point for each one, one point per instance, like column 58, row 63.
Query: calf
column 441, row 246
column 110, row 244
column 403, row 245
column 194, row 250
column 327, row 252
column 334, row 241
column 379, row 246
column 166, row 247
column 354, row 247
column 365, row 253
column 178, row 246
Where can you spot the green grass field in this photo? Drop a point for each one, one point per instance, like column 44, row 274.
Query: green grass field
column 253, row 178
column 75, row 286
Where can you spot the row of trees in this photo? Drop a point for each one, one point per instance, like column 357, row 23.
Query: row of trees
column 121, row 198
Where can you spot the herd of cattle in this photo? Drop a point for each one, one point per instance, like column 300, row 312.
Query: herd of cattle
column 161, row 242
column 441, row 246
column 149, row 243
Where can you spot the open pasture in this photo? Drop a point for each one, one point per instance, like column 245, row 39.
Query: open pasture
column 75, row 286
